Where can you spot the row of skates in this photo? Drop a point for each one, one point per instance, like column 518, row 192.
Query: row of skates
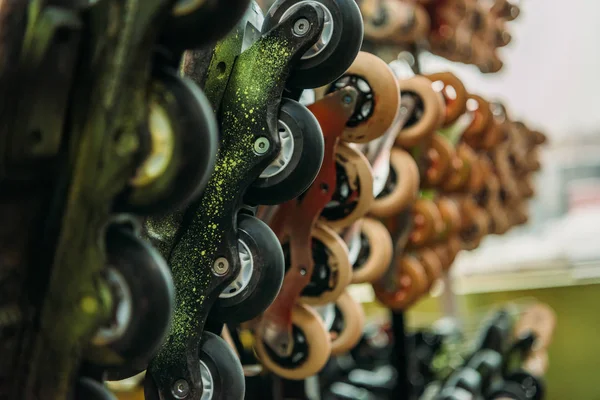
column 188, row 184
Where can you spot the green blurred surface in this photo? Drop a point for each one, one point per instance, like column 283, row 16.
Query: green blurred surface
column 574, row 352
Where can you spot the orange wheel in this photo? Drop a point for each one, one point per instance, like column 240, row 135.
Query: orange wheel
column 381, row 29
column 332, row 271
column 540, row 319
column 482, row 117
column 410, row 281
column 311, row 347
column 417, row 27
column 450, row 214
column 427, row 222
column 376, row 252
column 439, row 155
column 459, row 174
column 352, row 325
column 431, row 263
column 353, row 195
column 454, row 92
column 425, row 119
column 378, row 98
column 402, row 186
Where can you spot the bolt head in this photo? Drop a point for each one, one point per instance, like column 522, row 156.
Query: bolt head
column 221, row 266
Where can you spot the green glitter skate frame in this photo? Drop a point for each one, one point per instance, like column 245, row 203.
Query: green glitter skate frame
column 248, row 114
column 107, row 111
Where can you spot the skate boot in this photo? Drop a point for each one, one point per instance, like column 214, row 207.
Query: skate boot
column 122, row 136
column 228, row 265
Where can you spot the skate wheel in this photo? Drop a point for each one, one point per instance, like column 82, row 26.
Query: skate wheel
column 336, row 49
column 298, row 162
column 459, row 174
column 476, row 174
column 90, row 389
column 378, row 98
column 348, row 325
column 353, row 194
column 476, row 226
column 145, row 297
column 384, row 23
column 432, row 265
column 260, row 276
column 311, row 347
column 183, row 132
column 411, row 281
column 194, row 23
column 526, row 187
column 540, row 319
column 454, row 93
column 401, row 188
column 425, row 119
column 439, row 156
column 482, row 117
column 376, row 252
column 450, row 214
column 427, row 222
column 332, row 271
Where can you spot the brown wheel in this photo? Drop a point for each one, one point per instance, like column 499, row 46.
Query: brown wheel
column 348, row 325
column 427, row 222
column 375, row 254
column 494, row 135
column 476, row 172
column 439, row 156
column 482, row 116
column 431, row 263
column 425, row 119
column 450, row 215
column 311, row 347
column 410, row 282
column 442, row 250
column 378, row 97
column 540, row 319
column 475, row 224
column 401, row 188
column 526, row 188
column 353, row 194
column 417, row 27
column 332, row 271
column 454, row 93
column 383, row 19
column 459, row 175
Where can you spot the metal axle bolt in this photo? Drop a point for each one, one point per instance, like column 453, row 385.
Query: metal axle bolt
column 301, row 27
column 221, row 266
column 181, row 389
column 261, row 146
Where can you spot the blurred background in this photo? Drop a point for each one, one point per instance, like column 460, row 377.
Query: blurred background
column 549, row 79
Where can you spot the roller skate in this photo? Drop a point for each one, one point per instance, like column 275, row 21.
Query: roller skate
column 411, row 272
column 228, row 265
column 122, row 136
column 292, row 340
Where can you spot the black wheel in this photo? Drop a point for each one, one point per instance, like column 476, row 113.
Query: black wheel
column 144, row 295
column 220, row 370
column 194, row 23
column 184, row 136
column 532, row 386
column 298, row 162
column 340, row 41
column 90, row 389
column 261, row 275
